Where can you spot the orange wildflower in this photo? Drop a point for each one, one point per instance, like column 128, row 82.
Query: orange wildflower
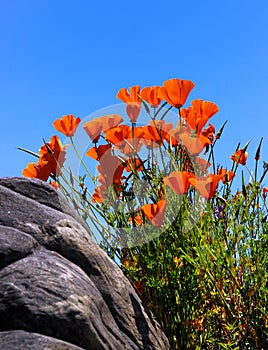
column 132, row 99
column 125, row 138
column 52, row 157
column 206, row 186
column 133, row 110
column 150, row 95
column 156, row 133
column 67, row 125
column 95, row 127
column 37, row 171
column 110, row 121
column 152, row 136
column 240, row 156
column 96, row 152
column 209, row 132
column 178, row 181
column 52, row 153
column 197, row 115
column 164, row 129
column 131, row 95
column 194, row 143
column 175, row 91
column 110, row 169
column 155, row 212
column 227, row 176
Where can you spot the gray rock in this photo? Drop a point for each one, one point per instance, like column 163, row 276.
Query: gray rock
column 55, row 281
column 21, row 340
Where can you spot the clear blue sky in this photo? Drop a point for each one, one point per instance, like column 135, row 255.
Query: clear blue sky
column 62, row 57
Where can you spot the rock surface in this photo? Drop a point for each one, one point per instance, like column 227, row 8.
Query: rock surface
column 58, row 289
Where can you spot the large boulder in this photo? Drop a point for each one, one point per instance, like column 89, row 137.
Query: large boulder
column 58, row 289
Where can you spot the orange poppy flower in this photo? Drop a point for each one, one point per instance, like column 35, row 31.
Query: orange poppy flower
column 155, row 212
column 37, row 171
column 133, row 110
column 111, row 170
column 209, row 132
column 125, row 138
column 197, row 115
column 150, row 95
column 175, row 91
column 132, row 99
column 178, row 181
column 54, row 154
column 95, row 127
column 118, row 134
column 206, row 186
column 164, row 129
column 240, row 156
column 156, row 133
column 227, row 176
column 194, row 143
column 110, row 121
column 170, row 134
column 152, row 136
column 131, row 95
column 67, row 125
column 96, row 152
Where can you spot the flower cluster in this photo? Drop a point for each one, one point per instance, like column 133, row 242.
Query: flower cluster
column 188, row 137
column 117, row 147
column 199, row 273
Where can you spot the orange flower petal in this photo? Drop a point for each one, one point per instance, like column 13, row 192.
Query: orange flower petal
column 67, row 125
column 93, row 128
column 37, row 171
column 155, row 212
column 206, row 186
column 240, row 157
column 129, row 96
column 197, row 115
column 227, row 176
column 123, row 136
column 150, row 95
column 194, row 144
column 53, row 154
column 175, row 91
column 97, row 152
column 133, row 110
column 178, row 181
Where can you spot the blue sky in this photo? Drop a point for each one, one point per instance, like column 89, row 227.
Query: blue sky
column 71, row 57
